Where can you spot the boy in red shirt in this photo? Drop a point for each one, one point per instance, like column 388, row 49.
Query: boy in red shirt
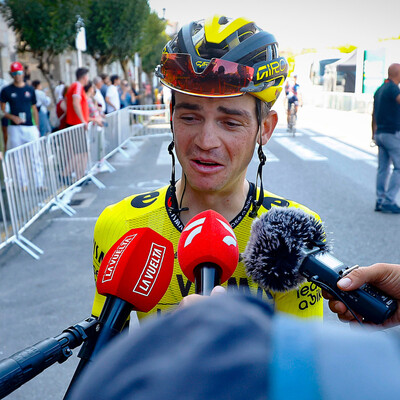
column 77, row 105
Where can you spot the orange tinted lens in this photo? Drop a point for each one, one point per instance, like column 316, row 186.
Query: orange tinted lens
column 220, row 77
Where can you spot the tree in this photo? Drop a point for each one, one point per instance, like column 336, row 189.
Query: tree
column 114, row 30
column 153, row 42
column 45, row 28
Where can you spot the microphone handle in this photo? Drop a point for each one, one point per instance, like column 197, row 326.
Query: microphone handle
column 24, row 365
column 111, row 321
column 207, row 276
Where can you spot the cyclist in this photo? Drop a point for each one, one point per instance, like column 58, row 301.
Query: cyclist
column 292, row 91
column 225, row 75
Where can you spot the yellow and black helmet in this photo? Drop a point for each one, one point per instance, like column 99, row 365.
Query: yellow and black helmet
column 222, row 57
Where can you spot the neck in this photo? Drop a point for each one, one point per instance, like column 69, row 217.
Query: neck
column 19, row 84
column 228, row 204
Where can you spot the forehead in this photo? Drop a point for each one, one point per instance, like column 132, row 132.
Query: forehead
column 246, row 102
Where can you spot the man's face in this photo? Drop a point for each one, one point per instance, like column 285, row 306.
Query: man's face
column 18, row 76
column 214, row 140
column 85, row 79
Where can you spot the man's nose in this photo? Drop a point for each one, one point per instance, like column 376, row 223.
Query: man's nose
column 207, row 136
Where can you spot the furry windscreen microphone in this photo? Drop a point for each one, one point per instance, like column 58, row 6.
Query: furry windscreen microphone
column 275, row 250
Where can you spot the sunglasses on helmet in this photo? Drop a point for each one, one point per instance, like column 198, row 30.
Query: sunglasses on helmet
column 220, row 78
column 17, row 73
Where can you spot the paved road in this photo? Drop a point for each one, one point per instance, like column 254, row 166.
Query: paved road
column 328, row 166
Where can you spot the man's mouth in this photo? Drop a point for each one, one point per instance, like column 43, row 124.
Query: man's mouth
column 207, row 163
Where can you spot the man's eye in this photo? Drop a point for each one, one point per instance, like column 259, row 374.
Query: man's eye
column 187, row 118
column 232, row 124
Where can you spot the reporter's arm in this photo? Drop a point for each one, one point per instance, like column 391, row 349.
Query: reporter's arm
column 385, row 277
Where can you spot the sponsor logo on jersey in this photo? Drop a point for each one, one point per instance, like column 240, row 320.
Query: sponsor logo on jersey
column 144, row 200
column 151, row 270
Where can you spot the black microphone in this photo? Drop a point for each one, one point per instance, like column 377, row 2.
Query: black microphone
column 287, row 246
column 21, row 367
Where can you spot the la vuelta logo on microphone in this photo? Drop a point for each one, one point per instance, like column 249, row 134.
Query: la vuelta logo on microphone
column 115, row 258
column 196, row 227
column 151, row 270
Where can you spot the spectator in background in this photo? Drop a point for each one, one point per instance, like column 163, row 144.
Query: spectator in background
column 106, row 83
column 21, row 99
column 77, row 106
column 386, row 134
column 4, row 120
column 27, row 75
column 136, row 100
column 125, row 94
column 78, row 113
column 61, row 109
column 58, row 91
column 94, row 112
column 112, row 95
column 2, row 143
column 43, row 101
column 101, row 103
column 148, row 94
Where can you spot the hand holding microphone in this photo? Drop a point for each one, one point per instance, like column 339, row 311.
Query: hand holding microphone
column 208, row 251
column 288, row 246
column 385, row 277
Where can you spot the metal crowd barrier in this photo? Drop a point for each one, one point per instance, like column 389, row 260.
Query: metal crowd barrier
column 38, row 174
column 5, row 226
column 150, row 119
column 28, row 187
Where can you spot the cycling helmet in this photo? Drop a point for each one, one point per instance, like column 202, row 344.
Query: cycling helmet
column 223, row 57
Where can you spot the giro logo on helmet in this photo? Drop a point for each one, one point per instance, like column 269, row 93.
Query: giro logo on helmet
column 271, row 69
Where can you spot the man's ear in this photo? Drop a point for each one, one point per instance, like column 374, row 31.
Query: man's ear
column 268, row 126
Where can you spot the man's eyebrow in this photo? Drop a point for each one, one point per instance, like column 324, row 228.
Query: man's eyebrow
column 222, row 109
column 234, row 111
column 188, row 106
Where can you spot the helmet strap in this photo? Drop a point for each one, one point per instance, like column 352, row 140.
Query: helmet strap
column 175, row 208
column 262, row 159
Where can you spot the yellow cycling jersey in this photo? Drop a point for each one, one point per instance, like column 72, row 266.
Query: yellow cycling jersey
column 152, row 209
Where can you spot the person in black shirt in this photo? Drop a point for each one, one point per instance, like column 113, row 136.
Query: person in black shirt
column 386, row 134
column 24, row 119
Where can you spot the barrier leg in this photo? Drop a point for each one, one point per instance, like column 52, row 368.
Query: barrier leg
column 19, row 241
column 97, row 182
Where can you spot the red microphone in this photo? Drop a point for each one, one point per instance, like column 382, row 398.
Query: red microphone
column 137, row 269
column 134, row 275
column 208, row 251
